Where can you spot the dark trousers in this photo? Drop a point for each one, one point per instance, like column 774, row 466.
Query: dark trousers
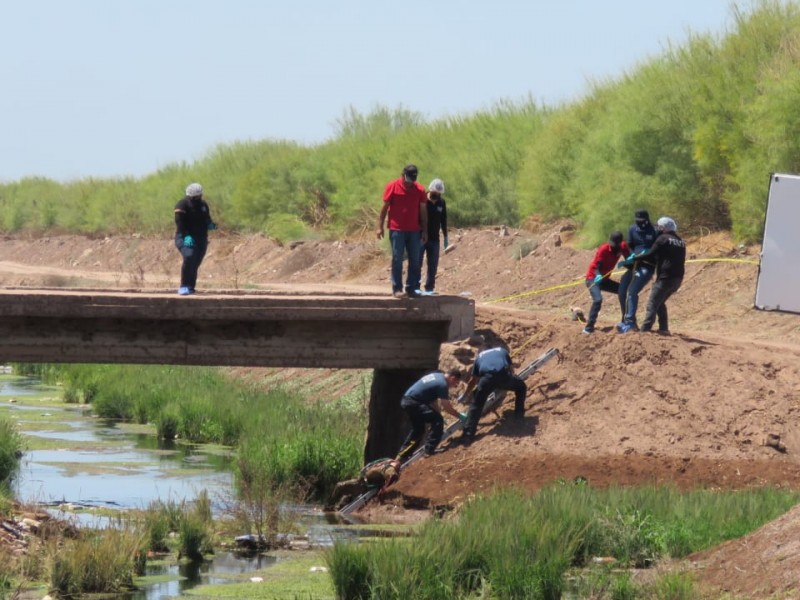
column 431, row 250
column 420, row 414
column 657, row 303
column 487, row 384
column 192, row 258
column 605, row 285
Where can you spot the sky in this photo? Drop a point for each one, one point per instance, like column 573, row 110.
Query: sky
column 115, row 88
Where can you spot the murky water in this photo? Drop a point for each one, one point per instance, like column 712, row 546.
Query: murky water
column 102, row 466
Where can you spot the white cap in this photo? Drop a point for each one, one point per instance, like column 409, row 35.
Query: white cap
column 437, row 185
column 194, row 189
column 667, row 224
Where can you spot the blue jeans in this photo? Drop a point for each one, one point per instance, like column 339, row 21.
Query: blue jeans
column 605, row 285
column 405, row 242
column 431, row 248
column 633, row 282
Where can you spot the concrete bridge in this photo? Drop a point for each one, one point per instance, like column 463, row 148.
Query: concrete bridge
column 399, row 338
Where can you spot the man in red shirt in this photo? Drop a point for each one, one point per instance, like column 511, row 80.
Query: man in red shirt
column 404, row 201
column 597, row 276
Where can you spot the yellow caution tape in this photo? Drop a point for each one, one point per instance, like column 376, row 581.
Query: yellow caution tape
column 582, row 280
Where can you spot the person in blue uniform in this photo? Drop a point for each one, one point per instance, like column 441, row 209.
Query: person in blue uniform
column 641, row 236
column 421, row 402
column 492, row 371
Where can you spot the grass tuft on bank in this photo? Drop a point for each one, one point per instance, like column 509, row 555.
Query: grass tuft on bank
column 508, row 544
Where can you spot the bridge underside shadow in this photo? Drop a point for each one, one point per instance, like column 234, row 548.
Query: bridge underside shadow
column 399, row 338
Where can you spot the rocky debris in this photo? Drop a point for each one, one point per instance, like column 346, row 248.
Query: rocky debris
column 773, row 440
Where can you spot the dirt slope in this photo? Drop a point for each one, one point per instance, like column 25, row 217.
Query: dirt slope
column 693, row 409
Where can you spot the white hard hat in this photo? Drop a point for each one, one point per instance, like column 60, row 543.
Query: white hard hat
column 194, row 189
column 437, row 185
column 667, row 224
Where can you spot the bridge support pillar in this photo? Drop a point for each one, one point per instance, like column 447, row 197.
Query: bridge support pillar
column 388, row 425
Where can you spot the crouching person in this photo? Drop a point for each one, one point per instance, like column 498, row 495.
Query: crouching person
column 421, row 403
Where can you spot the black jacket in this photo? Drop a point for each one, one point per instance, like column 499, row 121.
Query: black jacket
column 192, row 217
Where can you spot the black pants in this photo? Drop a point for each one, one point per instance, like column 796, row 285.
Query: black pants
column 192, row 258
column 657, row 303
column 487, row 384
column 420, row 414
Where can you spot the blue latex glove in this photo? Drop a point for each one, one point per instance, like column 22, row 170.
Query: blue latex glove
column 446, row 244
column 628, row 261
column 597, row 279
column 212, row 226
column 188, row 241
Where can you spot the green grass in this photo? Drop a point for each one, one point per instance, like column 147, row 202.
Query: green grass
column 692, row 132
column 103, row 561
column 511, row 545
column 284, row 444
column 290, row 578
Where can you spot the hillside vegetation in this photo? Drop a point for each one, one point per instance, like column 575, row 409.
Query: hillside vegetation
column 693, row 132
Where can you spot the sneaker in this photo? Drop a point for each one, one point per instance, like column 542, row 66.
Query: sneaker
column 428, row 453
column 587, row 330
column 413, row 293
column 184, row 291
column 624, row 327
column 663, row 332
column 399, row 294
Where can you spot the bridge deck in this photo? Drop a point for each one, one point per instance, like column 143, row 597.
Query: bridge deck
column 229, row 328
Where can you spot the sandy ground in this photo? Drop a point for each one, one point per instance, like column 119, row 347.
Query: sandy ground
column 693, row 409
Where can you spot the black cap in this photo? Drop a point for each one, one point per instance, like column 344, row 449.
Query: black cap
column 411, row 171
column 642, row 214
column 615, row 239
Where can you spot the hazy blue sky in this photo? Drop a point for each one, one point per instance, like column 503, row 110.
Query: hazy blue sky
column 124, row 87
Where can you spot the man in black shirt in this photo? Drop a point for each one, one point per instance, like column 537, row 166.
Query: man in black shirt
column 669, row 253
column 437, row 219
column 193, row 222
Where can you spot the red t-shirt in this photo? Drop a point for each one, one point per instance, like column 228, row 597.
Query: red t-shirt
column 605, row 259
column 404, row 205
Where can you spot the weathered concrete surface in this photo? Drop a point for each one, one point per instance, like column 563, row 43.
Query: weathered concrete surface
column 230, row 329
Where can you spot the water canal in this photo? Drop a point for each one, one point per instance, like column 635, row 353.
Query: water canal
column 93, row 467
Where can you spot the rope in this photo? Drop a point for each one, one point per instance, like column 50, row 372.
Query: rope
column 530, row 340
column 581, row 280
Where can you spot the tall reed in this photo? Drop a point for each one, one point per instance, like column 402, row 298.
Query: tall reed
column 512, row 545
column 281, row 440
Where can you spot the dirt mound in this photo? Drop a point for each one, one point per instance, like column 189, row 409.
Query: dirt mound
column 693, row 409
column 764, row 564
